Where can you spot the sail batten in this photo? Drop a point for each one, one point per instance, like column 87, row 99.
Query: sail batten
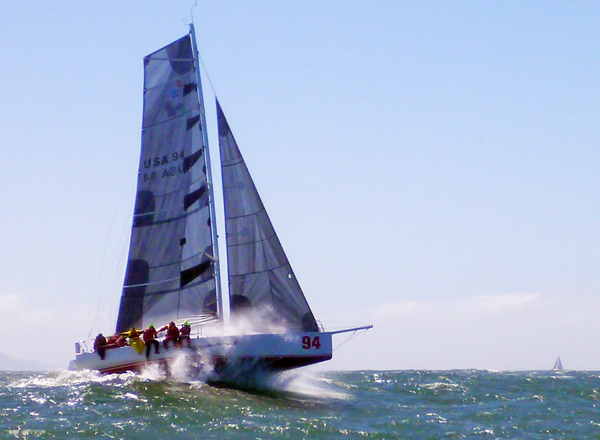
column 181, row 263
column 258, row 272
column 166, row 220
column 175, row 289
column 155, row 86
column 156, row 58
column 174, row 118
column 152, row 283
column 199, row 181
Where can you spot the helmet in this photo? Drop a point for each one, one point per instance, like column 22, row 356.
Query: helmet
column 186, row 323
column 151, row 325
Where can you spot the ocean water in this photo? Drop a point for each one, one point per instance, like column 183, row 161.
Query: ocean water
column 461, row 404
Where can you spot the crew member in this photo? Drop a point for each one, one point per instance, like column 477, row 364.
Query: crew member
column 150, row 335
column 184, row 334
column 134, row 339
column 100, row 345
column 172, row 334
column 120, row 341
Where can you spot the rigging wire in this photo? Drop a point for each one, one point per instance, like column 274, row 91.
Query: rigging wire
column 352, row 335
column 103, row 286
column 206, row 73
column 198, row 52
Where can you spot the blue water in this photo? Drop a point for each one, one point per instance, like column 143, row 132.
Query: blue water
column 330, row 405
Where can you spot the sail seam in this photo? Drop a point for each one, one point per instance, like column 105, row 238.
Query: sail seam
column 174, row 81
column 260, row 240
column 145, row 127
column 161, row 282
column 186, row 287
column 262, row 271
column 151, row 283
column 183, row 188
column 230, row 162
column 162, row 266
column 249, row 215
column 160, row 222
column 168, row 59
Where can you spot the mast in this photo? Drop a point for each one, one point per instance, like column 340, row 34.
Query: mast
column 211, row 196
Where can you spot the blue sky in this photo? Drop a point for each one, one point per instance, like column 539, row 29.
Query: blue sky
column 431, row 168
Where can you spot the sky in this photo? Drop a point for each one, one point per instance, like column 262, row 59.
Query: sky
column 431, row 168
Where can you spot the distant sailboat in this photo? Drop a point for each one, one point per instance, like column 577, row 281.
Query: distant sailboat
column 173, row 270
column 557, row 365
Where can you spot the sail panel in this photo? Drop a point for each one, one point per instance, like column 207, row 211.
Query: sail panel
column 262, row 286
column 171, row 232
column 160, row 110
column 238, row 185
column 256, row 256
column 250, row 228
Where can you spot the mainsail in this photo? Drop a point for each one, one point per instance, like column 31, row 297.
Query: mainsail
column 263, row 289
column 171, row 270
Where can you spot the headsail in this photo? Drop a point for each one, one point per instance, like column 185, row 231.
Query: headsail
column 171, row 266
column 262, row 285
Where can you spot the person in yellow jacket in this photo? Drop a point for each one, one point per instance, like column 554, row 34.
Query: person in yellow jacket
column 134, row 339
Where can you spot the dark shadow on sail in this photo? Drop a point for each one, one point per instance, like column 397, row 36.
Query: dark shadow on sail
column 132, row 300
column 180, row 55
column 189, row 275
column 143, row 213
column 239, row 305
column 209, row 305
column 309, row 324
column 189, row 161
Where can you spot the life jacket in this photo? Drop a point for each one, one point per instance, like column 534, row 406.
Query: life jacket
column 132, row 334
column 172, row 332
column 149, row 334
column 185, row 330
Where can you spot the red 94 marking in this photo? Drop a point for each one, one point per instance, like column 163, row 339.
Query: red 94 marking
column 308, row 342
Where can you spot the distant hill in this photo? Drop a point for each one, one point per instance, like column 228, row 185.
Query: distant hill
column 8, row 363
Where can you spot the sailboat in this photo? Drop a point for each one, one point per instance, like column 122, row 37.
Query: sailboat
column 557, row 365
column 173, row 272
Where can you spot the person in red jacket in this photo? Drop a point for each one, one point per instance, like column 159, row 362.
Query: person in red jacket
column 172, row 334
column 149, row 336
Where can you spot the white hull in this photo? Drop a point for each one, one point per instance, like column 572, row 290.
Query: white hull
column 274, row 352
